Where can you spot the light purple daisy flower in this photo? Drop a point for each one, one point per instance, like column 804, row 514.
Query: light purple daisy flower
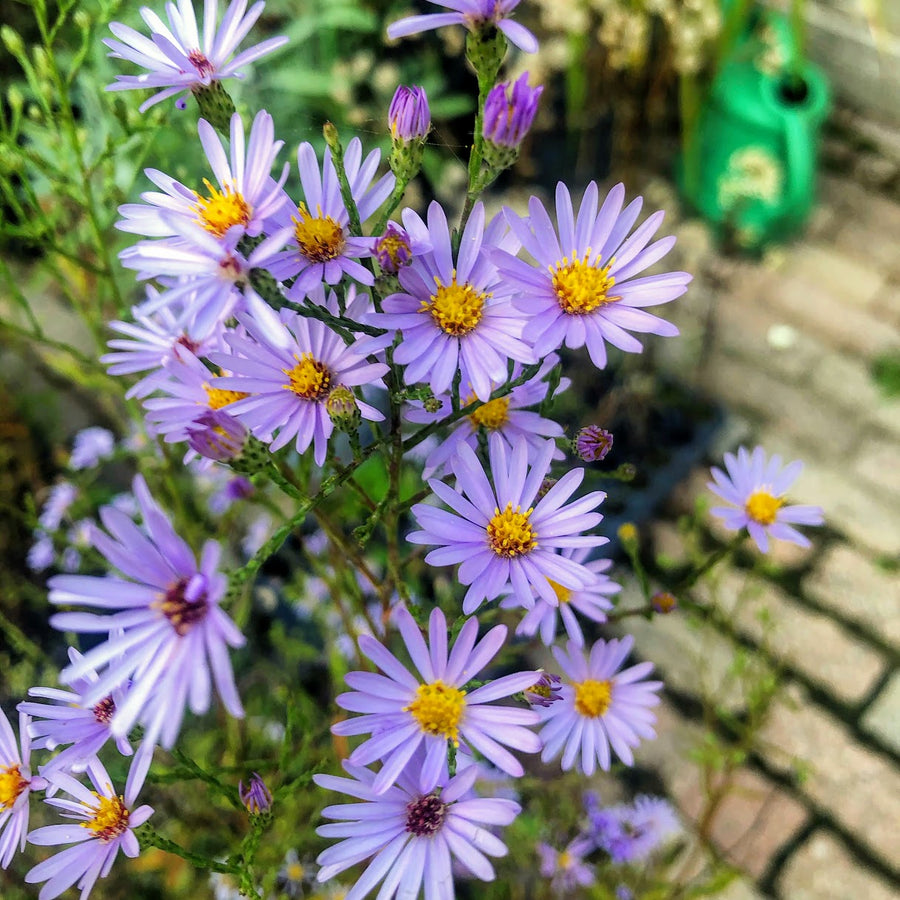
column 60, row 498
column 245, row 198
column 402, row 712
column 176, row 57
column 629, row 833
column 583, row 290
column 101, row 823
column 290, row 364
column 496, row 534
column 592, row 602
column 91, row 447
column 455, row 312
column 415, row 836
column 475, row 15
column 66, row 719
column 322, row 248
column 567, row 869
column 757, row 486
column 16, row 784
column 509, row 416
column 174, row 633
column 601, row 707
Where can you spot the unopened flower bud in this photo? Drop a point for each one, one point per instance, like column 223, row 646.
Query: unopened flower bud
column 663, row 602
column 393, row 249
column 256, row 797
column 342, row 408
column 409, row 116
column 544, row 691
column 546, row 484
column 592, row 443
column 509, row 112
column 432, row 405
column 217, row 435
column 12, row 40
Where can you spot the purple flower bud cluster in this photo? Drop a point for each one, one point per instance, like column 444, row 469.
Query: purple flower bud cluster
column 509, row 112
column 408, row 115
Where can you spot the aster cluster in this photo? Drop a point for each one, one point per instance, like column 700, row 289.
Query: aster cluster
column 289, row 332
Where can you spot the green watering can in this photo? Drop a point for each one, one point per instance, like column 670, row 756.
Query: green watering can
column 753, row 172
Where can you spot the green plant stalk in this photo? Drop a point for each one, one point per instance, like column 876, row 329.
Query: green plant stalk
column 150, row 837
column 689, row 106
column 337, row 157
column 576, row 79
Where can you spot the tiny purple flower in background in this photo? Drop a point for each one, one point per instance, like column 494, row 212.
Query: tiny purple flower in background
column 16, row 784
column 107, row 823
column 663, row 602
column 322, row 248
column 290, row 366
column 409, row 117
column 475, row 15
column 60, row 498
column 601, row 708
column 454, row 312
column 173, row 632
column 566, row 869
column 91, row 447
column 176, row 58
column 41, row 553
column 509, row 111
column 403, row 713
column 757, row 487
column 496, row 534
column 294, row 876
column 592, row 443
column 246, row 195
column 591, row 601
column 629, row 833
column 545, row 690
column 256, row 797
column 67, row 720
column 415, row 836
column 582, row 290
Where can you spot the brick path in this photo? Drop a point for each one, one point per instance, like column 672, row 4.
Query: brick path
column 815, row 811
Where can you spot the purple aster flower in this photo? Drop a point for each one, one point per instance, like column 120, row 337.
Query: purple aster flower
column 757, row 486
column 414, row 835
column 475, row 15
column 545, row 690
column 393, row 250
column 60, row 498
column 176, row 58
column 408, row 115
column 91, row 446
column 322, row 248
column 403, row 712
column 104, row 824
column 496, row 534
column 41, row 553
column 217, row 435
column 601, row 707
column 174, row 633
column 582, row 290
column 16, row 785
column 629, row 833
column 509, row 111
column 591, row 601
column 66, row 719
column 507, row 416
column 454, row 312
column 566, row 869
column 294, row 876
column 256, row 797
column 290, row 366
column 592, row 443
column 246, row 195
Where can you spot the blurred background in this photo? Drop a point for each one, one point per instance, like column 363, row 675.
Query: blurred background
column 770, row 134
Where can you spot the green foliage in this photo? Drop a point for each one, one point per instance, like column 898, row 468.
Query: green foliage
column 886, row 374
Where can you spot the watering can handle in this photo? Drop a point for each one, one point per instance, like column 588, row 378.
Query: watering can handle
column 800, row 158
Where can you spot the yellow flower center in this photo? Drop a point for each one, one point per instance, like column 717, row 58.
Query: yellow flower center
column 564, row 860
column 319, row 238
column 438, row 707
column 581, row 286
column 221, row 210
column 11, row 785
column 510, row 533
column 493, row 415
column 592, row 698
column 396, row 249
column 295, row 871
column 309, row 379
column 455, row 308
column 110, row 820
column 219, row 397
column 563, row 594
column 762, row 507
